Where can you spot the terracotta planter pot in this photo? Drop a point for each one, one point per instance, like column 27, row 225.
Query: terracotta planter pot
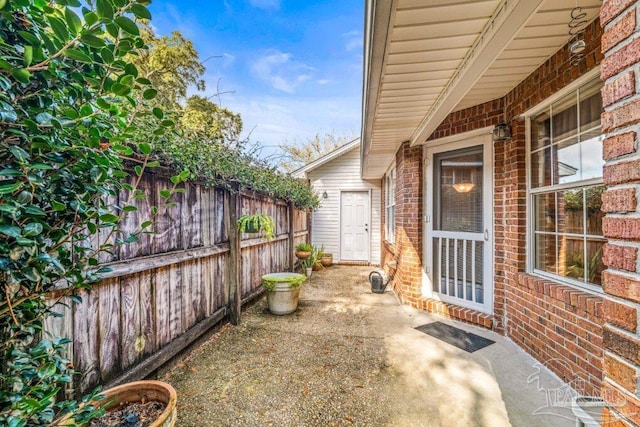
column 317, row 266
column 326, row 260
column 137, row 391
column 302, row 254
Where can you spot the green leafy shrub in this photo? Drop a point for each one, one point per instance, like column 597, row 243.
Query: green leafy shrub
column 70, row 104
column 230, row 165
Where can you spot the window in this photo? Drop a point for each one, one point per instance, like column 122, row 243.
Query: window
column 566, row 188
column 390, row 206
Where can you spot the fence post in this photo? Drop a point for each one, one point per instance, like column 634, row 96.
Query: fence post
column 292, row 235
column 235, row 292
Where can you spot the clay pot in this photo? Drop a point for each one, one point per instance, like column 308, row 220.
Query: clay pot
column 137, row 391
column 317, row 266
column 302, row 254
column 326, row 260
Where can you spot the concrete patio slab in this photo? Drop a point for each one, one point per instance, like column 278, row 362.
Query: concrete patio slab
column 350, row 357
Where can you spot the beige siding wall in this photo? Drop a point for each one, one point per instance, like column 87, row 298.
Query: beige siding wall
column 342, row 174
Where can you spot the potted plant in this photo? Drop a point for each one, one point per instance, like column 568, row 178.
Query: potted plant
column 257, row 223
column 307, row 266
column 316, row 254
column 147, row 402
column 283, row 291
column 303, row 250
column 326, row 259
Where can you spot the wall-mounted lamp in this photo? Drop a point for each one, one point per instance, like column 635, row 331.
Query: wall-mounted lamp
column 325, row 195
column 502, row 132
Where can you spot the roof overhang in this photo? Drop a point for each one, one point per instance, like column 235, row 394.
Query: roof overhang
column 304, row 170
column 425, row 59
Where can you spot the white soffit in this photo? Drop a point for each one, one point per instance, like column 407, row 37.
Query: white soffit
column 445, row 55
column 540, row 38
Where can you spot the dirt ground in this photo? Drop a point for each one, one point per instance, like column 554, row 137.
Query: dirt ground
column 347, row 357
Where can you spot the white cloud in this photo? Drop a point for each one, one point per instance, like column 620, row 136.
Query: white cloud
column 265, row 4
column 280, row 71
column 273, row 120
column 352, row 40
column 227, row 59
column 323, row 81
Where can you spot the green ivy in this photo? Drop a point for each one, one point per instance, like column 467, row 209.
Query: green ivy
column 70, row 103
column 230, row 164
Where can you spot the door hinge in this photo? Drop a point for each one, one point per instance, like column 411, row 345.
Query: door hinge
column 427, row 219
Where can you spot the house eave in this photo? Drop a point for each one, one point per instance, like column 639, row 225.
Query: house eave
column 425, row 60
column 304, row 170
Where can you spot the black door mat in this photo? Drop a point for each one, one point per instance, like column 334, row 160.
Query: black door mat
column 462, row 339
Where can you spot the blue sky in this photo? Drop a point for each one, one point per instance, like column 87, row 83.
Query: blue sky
column 294, row 67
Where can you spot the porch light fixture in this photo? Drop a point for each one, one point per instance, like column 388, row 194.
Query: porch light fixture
column 463, row 187
column 325, row 195
column 502, row 132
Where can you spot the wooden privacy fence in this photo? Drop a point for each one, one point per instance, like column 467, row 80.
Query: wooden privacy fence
column 171, row 286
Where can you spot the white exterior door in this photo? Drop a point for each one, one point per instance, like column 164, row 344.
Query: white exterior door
column 354, row 226
column 459, row 223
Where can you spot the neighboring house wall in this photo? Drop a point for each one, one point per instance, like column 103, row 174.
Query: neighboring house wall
column 335, row 176
column 559, row 325
column 621, row 225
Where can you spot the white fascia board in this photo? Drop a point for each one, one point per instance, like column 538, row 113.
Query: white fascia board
column 378, row 26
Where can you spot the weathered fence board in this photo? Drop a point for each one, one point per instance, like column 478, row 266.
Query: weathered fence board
column 168, row 287
column 109, row 327
column 85, row 340
column 175, row 301
column 131, row 318
column 163, row 308
column 147, row 339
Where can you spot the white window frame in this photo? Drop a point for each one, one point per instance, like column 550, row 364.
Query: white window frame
column 390, row 205
column 530, row 237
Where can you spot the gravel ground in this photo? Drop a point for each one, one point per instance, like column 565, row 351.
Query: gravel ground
column 318, row 366
column 348, row 357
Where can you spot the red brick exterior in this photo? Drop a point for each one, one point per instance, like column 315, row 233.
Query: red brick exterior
column 408, row 245
column 619, row 145
column 559, row 325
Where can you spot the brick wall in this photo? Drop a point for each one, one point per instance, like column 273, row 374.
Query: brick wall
column 408, row 245
column 476, row 117
column 561, row 326
column 621, row 225
column 557, row 324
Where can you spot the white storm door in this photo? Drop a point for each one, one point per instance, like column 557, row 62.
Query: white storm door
column 354, row 226
column 459, row 229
